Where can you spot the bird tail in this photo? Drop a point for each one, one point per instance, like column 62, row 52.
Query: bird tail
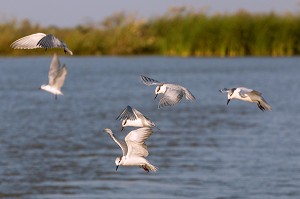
column 265, row 105
column 150, row 167
column 189, row 95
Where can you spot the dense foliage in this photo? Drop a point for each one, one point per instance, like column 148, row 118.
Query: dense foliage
column 180, row 33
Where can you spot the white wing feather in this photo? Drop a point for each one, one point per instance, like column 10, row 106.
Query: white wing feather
column 135, row 141
column 121, row 144
column 149, row 81
column 28, row 42
column 54, row 69
column 60, row 78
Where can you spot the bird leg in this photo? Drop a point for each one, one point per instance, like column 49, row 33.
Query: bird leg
column 260, row 107
column 145, row 168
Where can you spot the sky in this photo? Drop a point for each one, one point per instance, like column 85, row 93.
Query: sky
column 69, row 13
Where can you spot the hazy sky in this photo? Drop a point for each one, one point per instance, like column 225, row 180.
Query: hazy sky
column 73, row 12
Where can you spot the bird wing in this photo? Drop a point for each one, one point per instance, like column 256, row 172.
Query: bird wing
column 28, row 42
column 138, row 114
column 188, row 94
column 149, row 81
column 256, row 92
column 171, row 97
column 60, row 78
column 127, row 114
column 54, row 69
column 121, row 144
column 224, row 90
column 50, row 41
column 254, row 95
column 243, row 92
column 143, row 117
column 135, row 141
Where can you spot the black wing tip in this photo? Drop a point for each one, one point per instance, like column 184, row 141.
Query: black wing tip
column 144, row 78
column 122, row 116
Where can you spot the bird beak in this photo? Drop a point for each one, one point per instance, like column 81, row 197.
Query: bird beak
column 228, row 101
column 117, row 167
column 155, row 96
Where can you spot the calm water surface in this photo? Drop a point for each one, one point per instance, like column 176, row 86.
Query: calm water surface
column 51, row 149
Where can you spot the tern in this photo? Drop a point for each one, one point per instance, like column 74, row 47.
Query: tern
column 134, row 149
column 57, row 76
column 132, row 117
column 40, row 40
column 172, row 93
column 248, row 95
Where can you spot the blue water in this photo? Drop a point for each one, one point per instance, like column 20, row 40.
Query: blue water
column 52, row 149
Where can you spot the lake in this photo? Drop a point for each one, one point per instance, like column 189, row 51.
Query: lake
column 56, row 149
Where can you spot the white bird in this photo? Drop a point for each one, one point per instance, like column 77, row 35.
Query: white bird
column 172, row 93
column 57, row 76
column 248, row 95
column 40, row 40
column 132, row 117
column 134, row 149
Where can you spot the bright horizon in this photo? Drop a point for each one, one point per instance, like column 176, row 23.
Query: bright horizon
column 71, row 13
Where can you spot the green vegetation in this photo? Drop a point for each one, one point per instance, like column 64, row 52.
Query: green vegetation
column 179, row 32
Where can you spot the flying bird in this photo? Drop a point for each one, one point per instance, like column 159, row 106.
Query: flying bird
column 172, row 93
column 132, row 117
column 40, row 40
column 134, row 149
column 57, row 76
column 248, row 95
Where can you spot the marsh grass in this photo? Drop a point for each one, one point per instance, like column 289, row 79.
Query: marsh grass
column 183, row 33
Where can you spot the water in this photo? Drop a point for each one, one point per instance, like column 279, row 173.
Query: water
column 56, row 148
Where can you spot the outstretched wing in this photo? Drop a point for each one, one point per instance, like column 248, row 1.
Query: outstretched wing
column 224, row 90
column 54, row 69
column 171, row 97
column 28, row 42
column 50, row 41
column 127, row 114
column 121, row 144
column 135, row 141
column 243, row 92
column 60, row 78
column 149, row 81
column 188, row 94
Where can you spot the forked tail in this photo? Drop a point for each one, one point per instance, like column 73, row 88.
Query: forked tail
column 149, row 167
column 189, row 95
column 264, row 104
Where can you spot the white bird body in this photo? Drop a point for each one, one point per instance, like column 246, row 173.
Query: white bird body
column 56, row 76
column 172, row 93
column 248, row 95
column 40, row 40
column 134, row 149
column 51, row 89
column 132, row 117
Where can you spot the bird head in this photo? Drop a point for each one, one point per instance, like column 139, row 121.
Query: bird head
column 160, row 89
column 117, row 162
column 229, row 93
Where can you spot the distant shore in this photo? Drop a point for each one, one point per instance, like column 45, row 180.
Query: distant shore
column 176, row 33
